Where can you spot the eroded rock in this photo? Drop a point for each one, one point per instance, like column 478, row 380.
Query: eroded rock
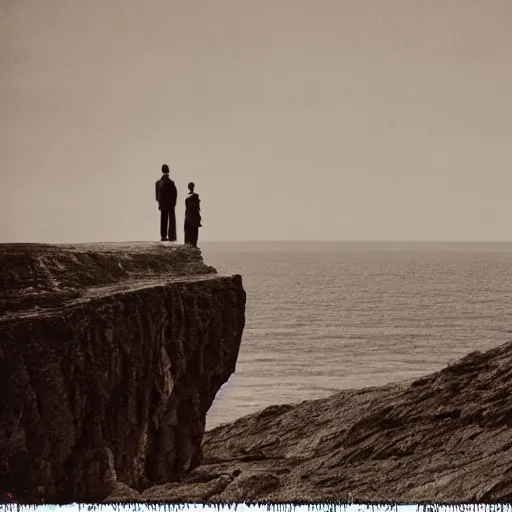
column 110, row 357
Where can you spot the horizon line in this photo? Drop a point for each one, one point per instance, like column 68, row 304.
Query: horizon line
column 262, row 241
column 366, row 241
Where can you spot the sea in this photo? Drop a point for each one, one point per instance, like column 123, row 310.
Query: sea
column 326, row 316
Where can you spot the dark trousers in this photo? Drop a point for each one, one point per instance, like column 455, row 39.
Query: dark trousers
column 191, row 234
column 168, row 224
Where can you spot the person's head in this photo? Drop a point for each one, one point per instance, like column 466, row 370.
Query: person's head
column 165, row 169
column 191, row 186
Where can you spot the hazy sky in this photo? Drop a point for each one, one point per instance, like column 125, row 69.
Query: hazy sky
column 313, row 120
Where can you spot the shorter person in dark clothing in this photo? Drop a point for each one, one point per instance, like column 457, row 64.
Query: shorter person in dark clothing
column 192, row 216
column 166, row 195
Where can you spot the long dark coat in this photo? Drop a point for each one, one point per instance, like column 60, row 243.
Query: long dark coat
column 192, row 210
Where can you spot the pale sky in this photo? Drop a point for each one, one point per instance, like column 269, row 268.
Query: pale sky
column 297, row 120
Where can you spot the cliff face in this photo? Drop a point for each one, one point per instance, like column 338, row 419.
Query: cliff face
column 446, row 437
column 110, row 356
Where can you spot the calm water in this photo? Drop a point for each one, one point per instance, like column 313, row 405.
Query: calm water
column 327, row 316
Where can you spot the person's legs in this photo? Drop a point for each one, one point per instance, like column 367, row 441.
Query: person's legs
column 187, row 234
column 172, row 225
column 194, row 235
column 164, row 216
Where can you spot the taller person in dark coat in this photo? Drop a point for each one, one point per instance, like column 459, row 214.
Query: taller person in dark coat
column 166, row 195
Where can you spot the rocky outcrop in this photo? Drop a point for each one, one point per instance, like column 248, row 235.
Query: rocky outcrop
column 110, row 357
column 446, row 437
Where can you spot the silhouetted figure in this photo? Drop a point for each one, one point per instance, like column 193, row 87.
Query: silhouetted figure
column 166, row 195
column 192, row 216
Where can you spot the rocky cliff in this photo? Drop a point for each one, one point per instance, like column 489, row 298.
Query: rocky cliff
column 110, row 356
column 446, row 437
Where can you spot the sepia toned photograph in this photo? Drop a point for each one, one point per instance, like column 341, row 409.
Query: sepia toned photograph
column 255, row 252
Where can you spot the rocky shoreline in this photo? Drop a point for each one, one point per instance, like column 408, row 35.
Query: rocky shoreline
column 445, row 437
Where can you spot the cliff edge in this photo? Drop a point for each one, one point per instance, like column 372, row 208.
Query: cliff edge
column 110, row 357
column 446, row 437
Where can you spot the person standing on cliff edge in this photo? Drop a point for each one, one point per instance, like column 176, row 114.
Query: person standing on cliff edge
column 192, row 216
column 166, row 196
